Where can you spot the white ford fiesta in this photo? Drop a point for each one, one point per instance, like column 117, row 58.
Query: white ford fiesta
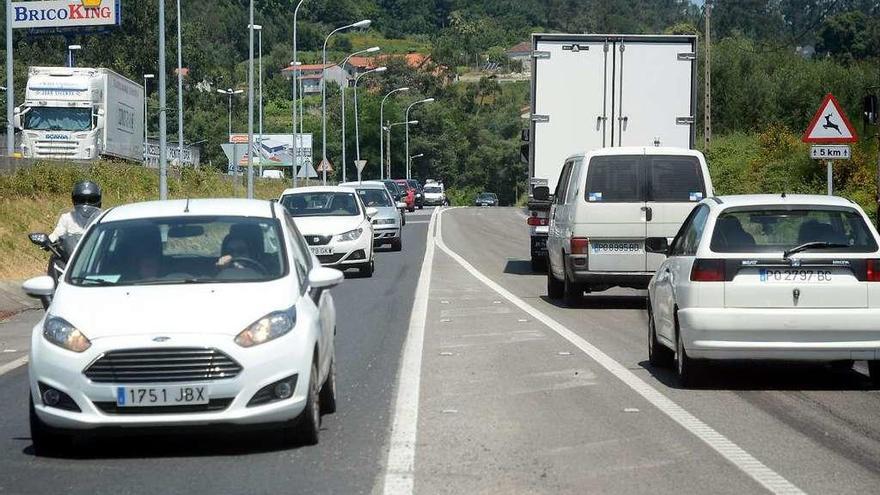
column 767, row 277
column 179, row 313
column 336, row 225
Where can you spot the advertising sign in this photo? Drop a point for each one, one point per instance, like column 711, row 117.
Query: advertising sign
column 275, row 150
column 56, row 14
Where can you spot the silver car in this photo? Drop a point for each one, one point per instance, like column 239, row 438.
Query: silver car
column 387, row 222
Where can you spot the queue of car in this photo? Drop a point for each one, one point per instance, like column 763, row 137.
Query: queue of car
column 760, row 277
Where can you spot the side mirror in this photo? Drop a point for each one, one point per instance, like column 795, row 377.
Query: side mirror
column 322, row 277
column 39, row 239
column 100, row 120
column 16, row 118
column 39, row 286
column 657, row 245
column 401, row 205
column 372, row 212
column 541, row 193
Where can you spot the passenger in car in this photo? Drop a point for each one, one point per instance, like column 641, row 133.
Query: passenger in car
column 733, row 234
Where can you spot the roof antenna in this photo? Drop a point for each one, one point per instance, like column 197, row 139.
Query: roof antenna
column 783, row 194
column 186, row 208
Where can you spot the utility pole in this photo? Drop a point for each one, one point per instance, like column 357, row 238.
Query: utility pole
column 707, row 111
column 250, row 154
column 10, row 84
column 163, row 111
column 179, row 89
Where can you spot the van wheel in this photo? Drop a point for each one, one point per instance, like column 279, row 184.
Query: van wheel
column 539, row 264
column 555, row 288
column 658, row 354
column 874, row 373
column 686, row 368
column 573, row 293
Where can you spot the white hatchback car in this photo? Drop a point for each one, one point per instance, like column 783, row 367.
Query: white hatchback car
column 336, row 225
column 767, row 277
column 179, row 313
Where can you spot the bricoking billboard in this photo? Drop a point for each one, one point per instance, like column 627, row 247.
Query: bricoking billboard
column 65, row 14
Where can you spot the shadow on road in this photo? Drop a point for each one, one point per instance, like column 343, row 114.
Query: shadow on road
column 598, row 301
column 768, row 375
column 519, row 267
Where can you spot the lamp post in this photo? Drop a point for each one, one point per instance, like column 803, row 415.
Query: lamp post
column 295, row 155
column 357, row 136
column 230, row 92
column 382, row 130
column 413, row 157
column 163, row 124
column 70, row 58
column 10, row 84
column 359, row 24
column 250, row 154
column 179, row 89
column 406, row 119
column 389, row 127
column 147, row 77
column 342, row 96
column 259, row 29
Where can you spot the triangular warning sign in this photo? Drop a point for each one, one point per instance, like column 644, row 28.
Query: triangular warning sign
column 830, row 124
column 325, row 166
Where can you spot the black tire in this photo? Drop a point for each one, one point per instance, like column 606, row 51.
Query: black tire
column 573, row 293
column 367, row 269
column 328, row 390
column 842, row 366
column 421, row 207
column 397, row 244
column 539, row 264
column 555, row 288
column 658, row 354
column 309, row 422
column 686, row 368
column 47, row 441
column 874, row 373
column 402, row 219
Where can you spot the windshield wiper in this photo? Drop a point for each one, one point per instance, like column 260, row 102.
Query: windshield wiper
column 812, row 245
column 175, row 281
column 91, row 281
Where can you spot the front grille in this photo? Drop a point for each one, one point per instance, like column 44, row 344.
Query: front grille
column 328, row 259
column 162, row 365
column 213, row 405
column 59, row 148
column 318, row 240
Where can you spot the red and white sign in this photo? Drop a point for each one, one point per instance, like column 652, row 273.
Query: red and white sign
column 830, row 124
column 65, row 14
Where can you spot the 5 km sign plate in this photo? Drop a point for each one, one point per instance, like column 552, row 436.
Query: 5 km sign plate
column 830, row 152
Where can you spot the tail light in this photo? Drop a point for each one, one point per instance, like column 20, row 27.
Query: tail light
column 538, row 222
column 580, row 245
column 873, row 270
column 708, row 271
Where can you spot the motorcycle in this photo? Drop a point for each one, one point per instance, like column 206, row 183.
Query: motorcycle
column 61, row 249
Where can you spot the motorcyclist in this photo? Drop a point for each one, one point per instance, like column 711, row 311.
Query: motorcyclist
column 86, row 198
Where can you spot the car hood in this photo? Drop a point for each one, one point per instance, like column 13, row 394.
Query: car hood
column 219, row 309
column 327, row 225
column 387, row 212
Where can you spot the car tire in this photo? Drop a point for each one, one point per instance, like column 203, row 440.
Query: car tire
column 397, row 244
column 47, row 441
column 555, row 288
column 658, row 354
column 411, row 209
column 309, row 424
column 686, row 368
column 402, row 219
column 539, row 264
column 367, row 269
column 874, row 373
column 421, row 207
column 573, row 293
column 328, row 390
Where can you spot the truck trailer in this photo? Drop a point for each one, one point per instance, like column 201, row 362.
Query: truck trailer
column 81, row 114
column 592, row 91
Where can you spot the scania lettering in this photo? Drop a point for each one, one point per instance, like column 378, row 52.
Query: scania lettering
column 81, row 114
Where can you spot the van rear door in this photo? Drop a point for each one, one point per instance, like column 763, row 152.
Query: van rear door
column 615, row 214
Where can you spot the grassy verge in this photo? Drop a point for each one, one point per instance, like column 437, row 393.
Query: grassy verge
column 32, row 199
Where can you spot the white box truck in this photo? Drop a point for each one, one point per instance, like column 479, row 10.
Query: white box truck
column 81, row 114
column 592, row 91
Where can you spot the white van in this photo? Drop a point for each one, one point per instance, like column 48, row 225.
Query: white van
column 607, row 202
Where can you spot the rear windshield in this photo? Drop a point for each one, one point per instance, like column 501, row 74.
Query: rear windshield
column 375, row 197
column 768, row 229
column 639, row 178
column 321, row 204
column 675, row 179
column 615, row 179
column 432, row 189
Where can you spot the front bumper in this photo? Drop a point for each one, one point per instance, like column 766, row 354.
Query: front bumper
column 348, row 253
column 261, row 366
column 385, row 236
column 782, row 334
column 434, row 201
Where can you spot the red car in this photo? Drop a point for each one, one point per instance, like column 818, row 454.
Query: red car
column 410, row 198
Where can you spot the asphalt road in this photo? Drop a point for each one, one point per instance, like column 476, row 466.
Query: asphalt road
column 373, row 316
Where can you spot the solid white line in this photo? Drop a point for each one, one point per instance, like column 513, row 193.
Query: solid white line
column 6, row 368
column 418, row 221
column 754, row 468
column 400, row 467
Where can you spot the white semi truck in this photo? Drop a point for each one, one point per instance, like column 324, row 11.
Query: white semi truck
column 81, row 114
column 593, row 91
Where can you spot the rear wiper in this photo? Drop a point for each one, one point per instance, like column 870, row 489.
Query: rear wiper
column 91, row 281
column 812, row 245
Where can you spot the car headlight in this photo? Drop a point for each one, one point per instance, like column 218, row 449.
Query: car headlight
column 351, row 235
column 384, row 221
column 61, row 333
column 267, row 328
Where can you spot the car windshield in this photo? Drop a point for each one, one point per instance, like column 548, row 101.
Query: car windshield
column 321, row 204
column 180, row 250
column 432, row 190
column 374, row 197
column 769, row 229
column 58, row 119
column 486, row 196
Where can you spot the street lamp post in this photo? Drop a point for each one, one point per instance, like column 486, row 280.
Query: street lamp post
column 163, row 124
column 342, row 96
column 413, row 157
column 230, row 93
column 359, row 24
column 179, row 89
column 357, row 136
column 147, row 77
column 71, row 61
column 295, row 155
column 250, row 154
column 406, row 119
column 259, row 29
column 390, row 126
column 382, row 130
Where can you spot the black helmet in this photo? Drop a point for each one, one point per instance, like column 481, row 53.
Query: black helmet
column 86, row 193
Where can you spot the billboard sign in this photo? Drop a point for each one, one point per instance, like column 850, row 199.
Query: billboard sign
column 275, row 150
column 55, row 14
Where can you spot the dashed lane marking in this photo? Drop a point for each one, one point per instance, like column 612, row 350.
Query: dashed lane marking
column 6, row 368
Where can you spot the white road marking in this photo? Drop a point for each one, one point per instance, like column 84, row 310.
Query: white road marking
column 400, row 467
column 751, row 466
column 6, row 368
column 417, row 221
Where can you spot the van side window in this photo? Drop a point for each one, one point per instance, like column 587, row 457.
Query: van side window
column 615, row 179
column 675, row 179
column 573, row 187
column 688, row 239
column 562, row 185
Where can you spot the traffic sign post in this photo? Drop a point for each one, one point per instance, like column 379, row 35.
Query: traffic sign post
column 830, row 125
column 360, row 164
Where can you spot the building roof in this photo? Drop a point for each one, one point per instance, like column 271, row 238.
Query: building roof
column 520, row 48
column 308, row 67
column 362, row 62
